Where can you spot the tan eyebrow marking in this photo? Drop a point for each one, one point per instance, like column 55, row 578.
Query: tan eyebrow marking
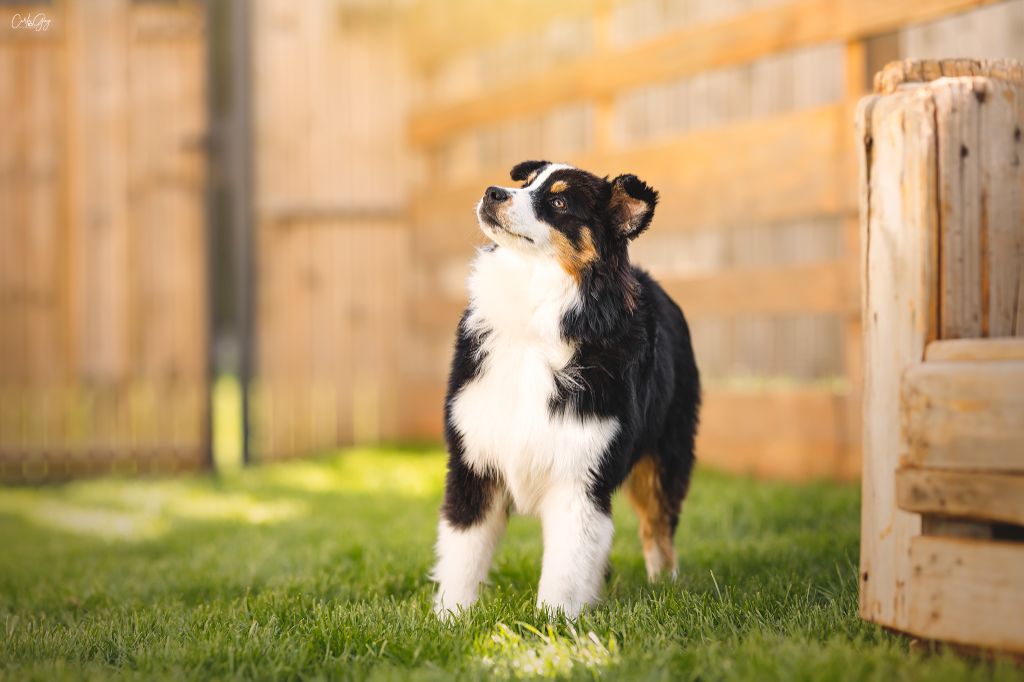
column 532, row 176
column 559, row 186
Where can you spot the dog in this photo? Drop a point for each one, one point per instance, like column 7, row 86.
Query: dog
column 573, row 374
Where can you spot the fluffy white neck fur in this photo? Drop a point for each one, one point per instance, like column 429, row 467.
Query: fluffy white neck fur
column 520, row 295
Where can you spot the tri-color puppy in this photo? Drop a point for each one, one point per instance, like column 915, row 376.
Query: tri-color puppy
column 573, row 373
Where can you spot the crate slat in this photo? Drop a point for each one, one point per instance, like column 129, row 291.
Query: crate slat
column 964, row 415
column 975, row 349
column 967, row 591
column 971, row 495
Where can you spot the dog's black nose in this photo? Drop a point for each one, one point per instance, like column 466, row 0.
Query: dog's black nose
column 496, row 194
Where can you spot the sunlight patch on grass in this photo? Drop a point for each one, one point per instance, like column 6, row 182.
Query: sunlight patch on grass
column 309, row 477
column 78, row 519
column 113, row 509
column 234, row 507
column 364, row 470
column 506, row 653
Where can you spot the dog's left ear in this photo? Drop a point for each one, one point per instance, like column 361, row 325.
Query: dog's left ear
column 631, row 205
column 522, row 172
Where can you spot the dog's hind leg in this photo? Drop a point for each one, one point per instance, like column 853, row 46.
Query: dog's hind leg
column 657, row 511
column 660, row 480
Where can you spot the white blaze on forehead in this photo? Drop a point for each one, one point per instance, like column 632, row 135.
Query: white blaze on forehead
column 544, row 174
column 521, row 214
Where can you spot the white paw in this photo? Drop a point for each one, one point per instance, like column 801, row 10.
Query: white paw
column 448, row 609
column 553, row 608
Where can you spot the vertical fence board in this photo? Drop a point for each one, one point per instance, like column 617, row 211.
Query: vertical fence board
column 329, row 198
column 99, row 206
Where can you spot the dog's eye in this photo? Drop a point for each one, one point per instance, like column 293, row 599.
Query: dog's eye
column 558, row 202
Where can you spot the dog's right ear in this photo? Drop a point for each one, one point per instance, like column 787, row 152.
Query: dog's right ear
column 632, row 205
column 527, row 170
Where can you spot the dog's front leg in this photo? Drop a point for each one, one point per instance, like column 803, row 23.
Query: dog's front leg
column 473, row 519
column 577, row 539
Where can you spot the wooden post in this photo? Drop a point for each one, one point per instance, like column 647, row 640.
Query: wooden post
column 238, row 161
column 898, row 232
column 942, row 210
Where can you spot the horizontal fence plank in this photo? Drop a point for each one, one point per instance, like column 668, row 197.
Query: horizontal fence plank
column 962, row 494
column 786, row 167
column 819, row 288
column 964, row 415
column 791, row 434
column 829, row 287
column 967, row 591
column 331, row 215
column 975, row 349
column 786, row 434
column 434, row 31
column 678, row 53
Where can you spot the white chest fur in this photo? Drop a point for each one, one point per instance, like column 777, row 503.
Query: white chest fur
column 503, row 415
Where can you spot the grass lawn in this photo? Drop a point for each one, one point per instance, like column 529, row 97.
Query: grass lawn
column 317, row 569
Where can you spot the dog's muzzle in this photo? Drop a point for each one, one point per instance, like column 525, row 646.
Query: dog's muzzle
column 494, row 198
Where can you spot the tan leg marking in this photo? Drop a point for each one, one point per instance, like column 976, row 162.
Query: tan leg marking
column 643, row 489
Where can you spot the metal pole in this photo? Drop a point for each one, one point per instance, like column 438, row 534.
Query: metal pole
column 210, row 228
column 239, row 135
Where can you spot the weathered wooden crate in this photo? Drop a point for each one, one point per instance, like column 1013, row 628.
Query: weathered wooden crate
column 942, row 219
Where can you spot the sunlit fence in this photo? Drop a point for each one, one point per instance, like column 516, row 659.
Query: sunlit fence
column 741, row 116
column 295, row 182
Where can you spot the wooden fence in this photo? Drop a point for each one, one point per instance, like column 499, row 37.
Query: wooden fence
column 942, row 196
column 102, row 249
column 374, row 129
column 332, row 239
column 742, row 118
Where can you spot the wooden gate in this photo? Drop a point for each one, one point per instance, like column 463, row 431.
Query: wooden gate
column 103, row 361
column 331, row 238
column 942, row 210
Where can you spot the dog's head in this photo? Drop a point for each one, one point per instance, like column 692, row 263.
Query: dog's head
column 567, row 213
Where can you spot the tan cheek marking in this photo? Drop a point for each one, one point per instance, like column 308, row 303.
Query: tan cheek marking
column 502, row 212
column 559, row 186
column 575, row 259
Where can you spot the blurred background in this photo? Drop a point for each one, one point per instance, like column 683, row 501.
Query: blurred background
column 238, row 230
